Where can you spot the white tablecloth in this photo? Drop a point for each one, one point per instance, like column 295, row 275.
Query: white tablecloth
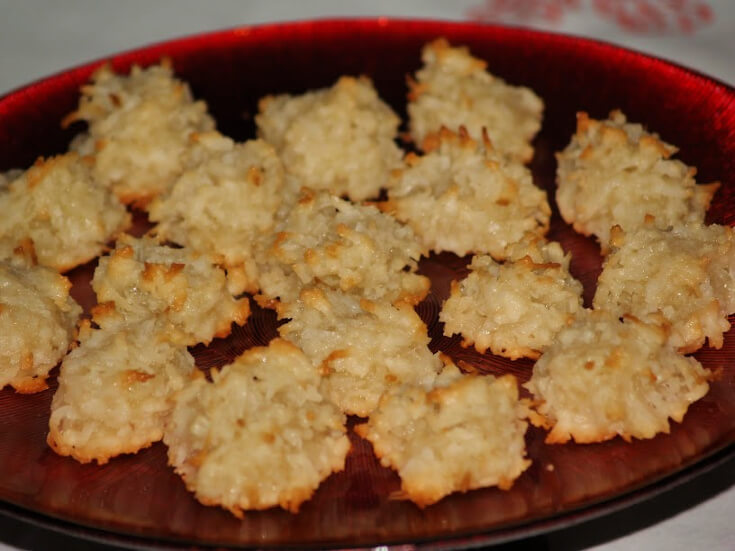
column 39, row 37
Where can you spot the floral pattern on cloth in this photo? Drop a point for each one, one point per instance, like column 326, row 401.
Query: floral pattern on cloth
column 636, row 16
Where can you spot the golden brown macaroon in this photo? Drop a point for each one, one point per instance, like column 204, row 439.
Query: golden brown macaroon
column 339, row 139
column 454, row 89
column 466, row 433
column 139, row 129
column 59, row 209
column 615, row 173
column 259, row 435
column 362, row 348
column 328, row 241
column 184, row 291
column 681, row 277
column 464, row 197
column 604, row 377
column 515, row 309
column 38, row 321
column 115, row 391
column 224, row 203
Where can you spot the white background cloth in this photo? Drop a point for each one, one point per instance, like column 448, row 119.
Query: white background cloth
column 40, row 37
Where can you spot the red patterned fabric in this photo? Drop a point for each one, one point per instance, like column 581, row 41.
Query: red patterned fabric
column 639, row 16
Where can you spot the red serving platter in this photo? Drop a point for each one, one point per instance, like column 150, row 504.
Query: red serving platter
column 137, row 500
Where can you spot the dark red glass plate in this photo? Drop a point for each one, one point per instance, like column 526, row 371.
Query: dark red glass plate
column 140, row 498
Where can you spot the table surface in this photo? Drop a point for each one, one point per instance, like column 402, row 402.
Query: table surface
column 40, row 37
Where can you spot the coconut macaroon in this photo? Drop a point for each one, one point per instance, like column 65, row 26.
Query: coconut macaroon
column 259, row 435
column 139, row 129
column 514, row 309
column 454, row 89
column 362, row 348
column 682, row 277
column 38, row 321
column 463, row 197
column 184, row 290
column 354, row 248
column 224, row 203
column 339, row 139
column 115, row 391
column 615, row 173
column 604, row 377
column 467, row 433
column 59, row 208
